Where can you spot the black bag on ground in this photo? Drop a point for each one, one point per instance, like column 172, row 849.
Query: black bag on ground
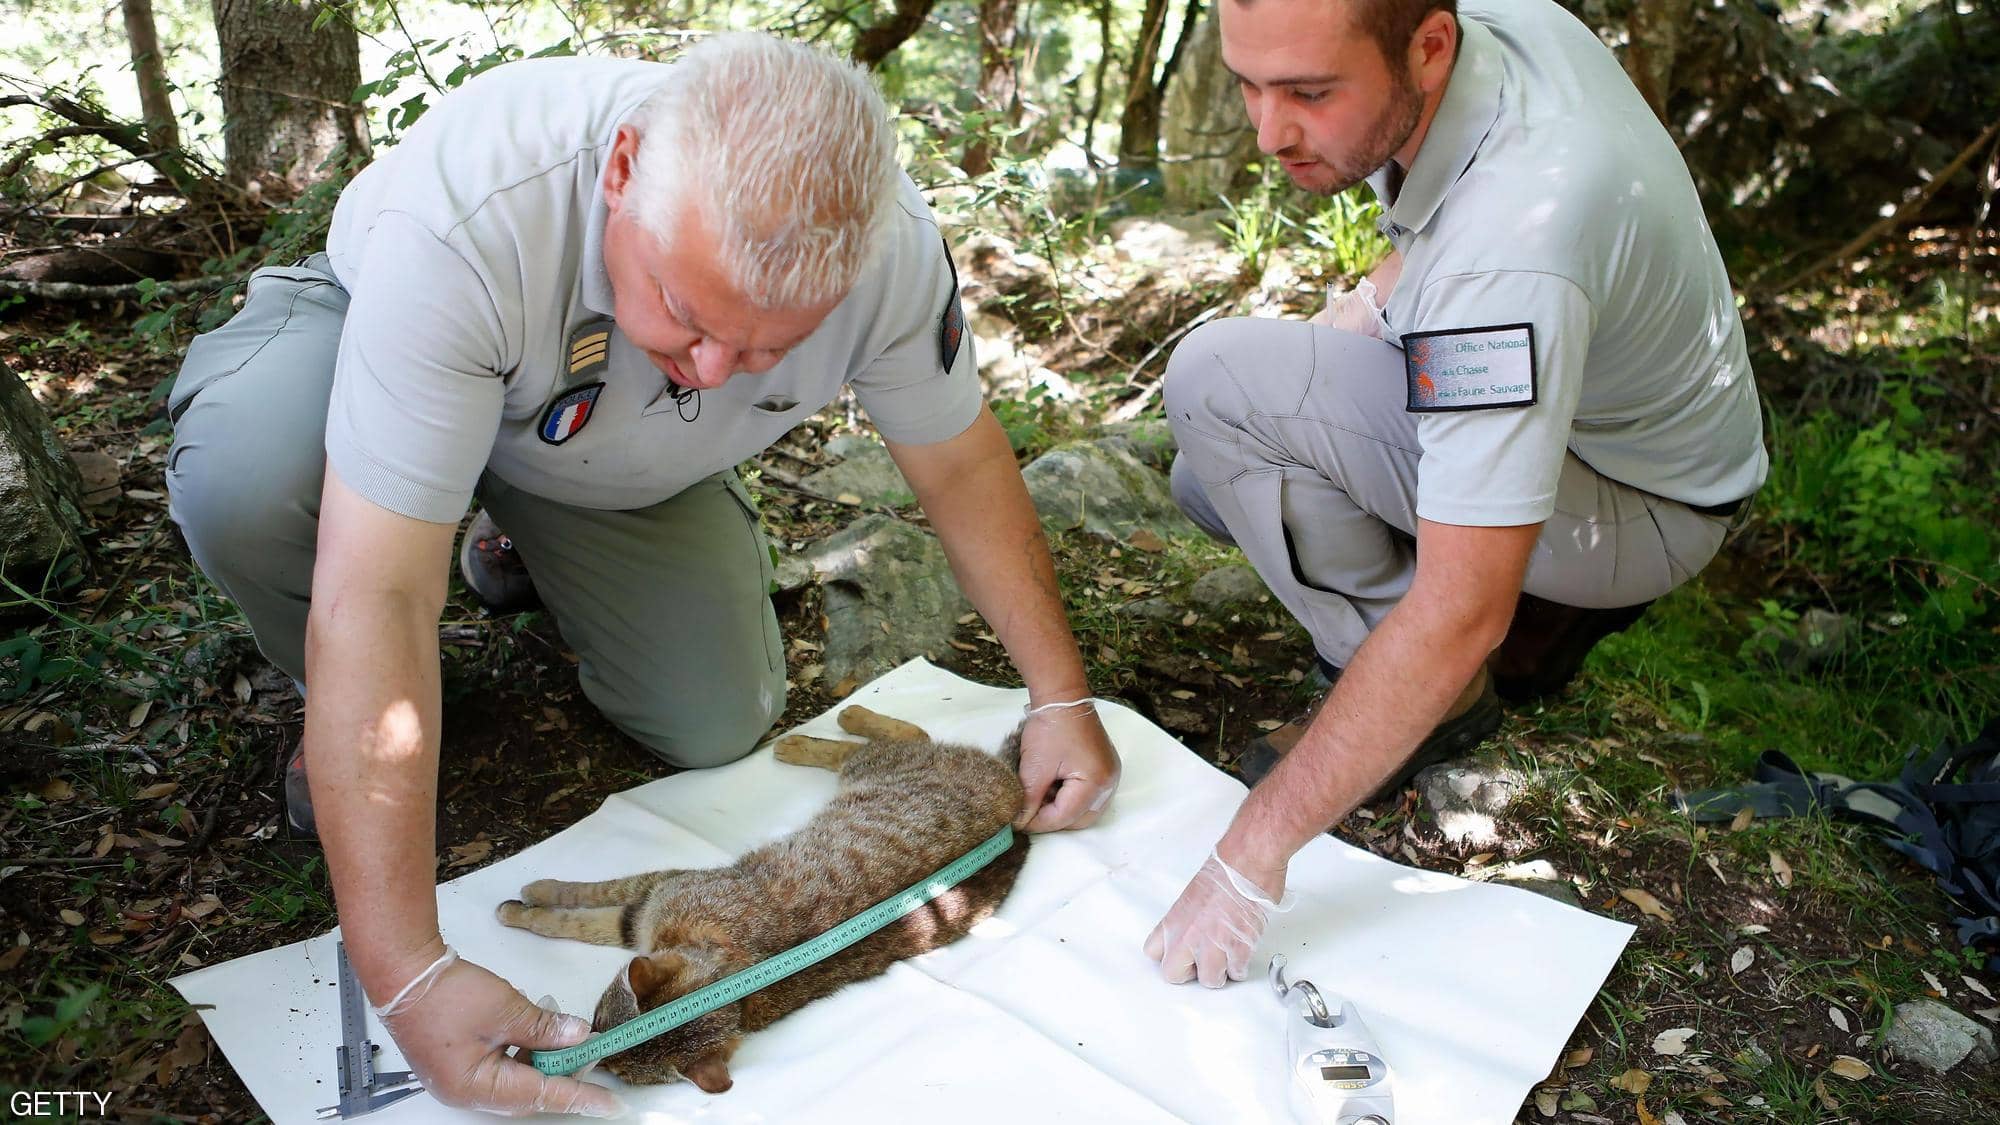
column 1943, row 812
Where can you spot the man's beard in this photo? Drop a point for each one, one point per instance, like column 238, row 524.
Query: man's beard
column 1387, row 135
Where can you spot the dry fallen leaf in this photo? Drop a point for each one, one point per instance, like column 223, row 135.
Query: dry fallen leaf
column 139, row 713
column 12, row 958
column 1752, row 930
column 1545, row 1102
column 1269, row 724
column 1975, row 986
column 1937, row 986
column 1673, row 1041
column 157, row 790
column 1838, row 1017
column 1578, row 1057
column 1990, row 1015
column 1672, row 1117
column 240, row 689
column 1646, row 903
column 1781, row 869
column 1850, row 1068
column 1191, row 618
column 472, row 851
column 1146, row 540
column 1742, row 819
column 1634, row 1081
column 1715, row 865
column 1825, row 1099
column 1741, row 959
column 1646, row 1115
column 70, row 917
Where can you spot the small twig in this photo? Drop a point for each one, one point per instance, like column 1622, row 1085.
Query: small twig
column 1126, row 411
column 61, row 861
column 76, row 291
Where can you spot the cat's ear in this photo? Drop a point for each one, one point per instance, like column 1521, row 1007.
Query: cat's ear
column 710, row 1072
column 650, row 974
column 637, row 978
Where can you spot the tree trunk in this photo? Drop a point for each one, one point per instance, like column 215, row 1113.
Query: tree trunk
column 1139, row 127
column 999, row 79
column 1209, row 142
column 876, row 43
column 151, row 71
column 287, row 92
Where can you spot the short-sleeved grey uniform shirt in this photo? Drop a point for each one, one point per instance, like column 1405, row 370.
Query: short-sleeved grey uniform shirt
column 473, row 254
column 1548, row 215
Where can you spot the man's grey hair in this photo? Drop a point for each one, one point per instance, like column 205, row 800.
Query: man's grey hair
column 785, row 152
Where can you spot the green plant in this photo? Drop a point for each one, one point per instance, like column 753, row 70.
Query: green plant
column 1342, row 236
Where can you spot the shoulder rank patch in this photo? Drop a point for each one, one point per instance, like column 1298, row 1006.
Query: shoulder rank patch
column 1470, row 368
column 951, row 321
column 568, row 414
column 589, row 349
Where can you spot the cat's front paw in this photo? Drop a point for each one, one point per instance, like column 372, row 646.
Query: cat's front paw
column 513, row 913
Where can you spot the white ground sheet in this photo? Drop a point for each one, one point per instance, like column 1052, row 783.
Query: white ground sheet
column 1048, row 1011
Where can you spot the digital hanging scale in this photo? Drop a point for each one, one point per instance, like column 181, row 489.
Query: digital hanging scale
column 1338, row 1074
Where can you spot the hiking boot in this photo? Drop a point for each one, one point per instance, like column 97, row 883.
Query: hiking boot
column 1546, row 644
column 1472, row 718
column 493, row 569
column 299, row 821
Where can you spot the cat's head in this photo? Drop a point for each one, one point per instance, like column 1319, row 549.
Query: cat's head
column 698, row 1050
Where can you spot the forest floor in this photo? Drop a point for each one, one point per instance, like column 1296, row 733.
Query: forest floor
column 141, row 744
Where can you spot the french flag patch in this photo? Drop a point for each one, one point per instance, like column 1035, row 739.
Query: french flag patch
column 569, row 414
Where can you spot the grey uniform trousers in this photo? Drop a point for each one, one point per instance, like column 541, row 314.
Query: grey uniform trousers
column 1295, row 445
column 668, row 607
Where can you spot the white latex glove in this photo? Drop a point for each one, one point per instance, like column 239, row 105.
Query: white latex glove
column 454, row 1023
column 1214, row 927
column 1354, row 311
column 1068, row 767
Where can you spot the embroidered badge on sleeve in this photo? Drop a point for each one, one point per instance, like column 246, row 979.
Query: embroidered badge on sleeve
column 1470, row 368
column 951, row 322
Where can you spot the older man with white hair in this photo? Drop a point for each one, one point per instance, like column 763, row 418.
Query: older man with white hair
column 583, row 290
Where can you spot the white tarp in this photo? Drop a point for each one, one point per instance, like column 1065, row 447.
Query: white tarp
column 1048, row 1011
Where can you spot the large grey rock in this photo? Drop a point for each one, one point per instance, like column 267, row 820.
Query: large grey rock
column 1228, row 586
column 1151, row 440
column 1936, row 1037
column 41, row 496
column 1168, row 240
column 888, row 596
column 865, row 475
column 1466, row 800
column 1103, row 489
column 1205, row 133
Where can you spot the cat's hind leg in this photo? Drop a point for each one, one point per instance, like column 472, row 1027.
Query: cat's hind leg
column 856, row 719
column 610, row 892
column 823, row 753
column 599, row 925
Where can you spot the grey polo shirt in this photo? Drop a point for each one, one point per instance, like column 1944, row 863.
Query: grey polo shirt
column 479, row 327
column 1560, row 287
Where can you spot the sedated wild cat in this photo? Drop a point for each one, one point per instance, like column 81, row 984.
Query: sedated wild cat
column 906, row 807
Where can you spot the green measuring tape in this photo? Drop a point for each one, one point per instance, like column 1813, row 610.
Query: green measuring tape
column 798, row 958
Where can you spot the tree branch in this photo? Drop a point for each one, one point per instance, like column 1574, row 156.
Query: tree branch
column 71, row 291
column 1890, row 222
